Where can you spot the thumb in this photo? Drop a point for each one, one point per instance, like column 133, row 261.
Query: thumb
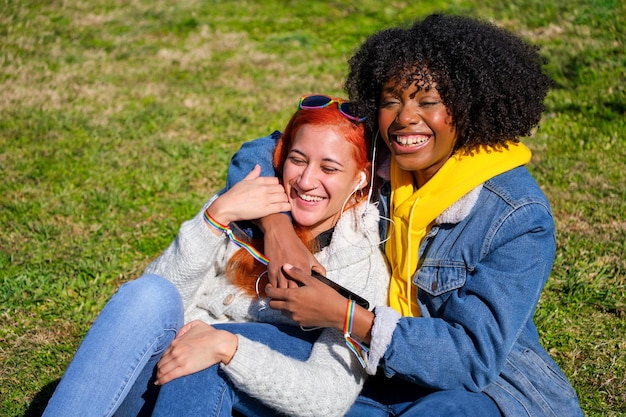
column 295, row 273
column 255, row 173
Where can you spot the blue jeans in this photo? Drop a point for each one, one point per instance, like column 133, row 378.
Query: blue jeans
column 382, row 397
column 210, row 393
column 112, row 369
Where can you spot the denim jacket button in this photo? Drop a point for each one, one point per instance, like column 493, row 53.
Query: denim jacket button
column 229, row 299
column 434, row 286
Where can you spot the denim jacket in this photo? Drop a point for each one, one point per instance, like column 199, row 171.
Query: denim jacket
column 479, row 280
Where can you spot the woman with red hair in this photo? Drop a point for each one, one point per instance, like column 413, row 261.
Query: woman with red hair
column 214, row 276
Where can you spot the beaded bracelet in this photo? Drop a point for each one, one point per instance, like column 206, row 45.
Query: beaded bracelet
column 226, row 230
column 357, row 348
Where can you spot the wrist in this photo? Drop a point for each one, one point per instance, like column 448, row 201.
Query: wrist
column 359, row 349
column 218, row 214
column 228, row 348
column 339, row 314
column 272, row 223
column 362, row 324
column 217, row 227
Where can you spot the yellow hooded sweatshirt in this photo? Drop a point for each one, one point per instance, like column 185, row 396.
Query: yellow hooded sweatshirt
column 414, row 210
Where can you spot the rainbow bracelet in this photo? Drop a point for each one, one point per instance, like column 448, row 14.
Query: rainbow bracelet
column 226, row 230
column 357, row 348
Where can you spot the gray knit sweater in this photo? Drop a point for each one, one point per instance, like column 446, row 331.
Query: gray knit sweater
column 329, row 381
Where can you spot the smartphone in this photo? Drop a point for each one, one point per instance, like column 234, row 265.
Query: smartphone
column 341, row 290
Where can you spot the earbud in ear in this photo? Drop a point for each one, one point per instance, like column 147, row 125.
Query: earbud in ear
column 361, row 182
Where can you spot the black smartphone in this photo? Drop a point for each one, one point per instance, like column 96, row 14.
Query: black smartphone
column 341, row 290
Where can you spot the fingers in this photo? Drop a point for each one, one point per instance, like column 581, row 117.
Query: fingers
column 200, row 347
column 283, row 246
column 256, row 171
column 170, row 371
column 252, row 198
column 313, row 304
column 276, row 276
column 295, row 278
column 296, row 274
column 178, row 358
column 171, row 365
column 263, row 191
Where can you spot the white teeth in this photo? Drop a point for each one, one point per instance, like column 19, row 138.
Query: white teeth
column 306, row 197
column 411, row 140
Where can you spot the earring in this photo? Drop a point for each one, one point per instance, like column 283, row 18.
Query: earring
column 262, row 303
column 358, row 194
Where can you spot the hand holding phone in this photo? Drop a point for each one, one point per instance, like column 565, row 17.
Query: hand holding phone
column 341, row 290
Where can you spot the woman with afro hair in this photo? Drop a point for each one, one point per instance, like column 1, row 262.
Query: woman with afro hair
column 470, row 236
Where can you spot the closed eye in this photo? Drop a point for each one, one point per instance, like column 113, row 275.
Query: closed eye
column 296, row 161
column 329, row 170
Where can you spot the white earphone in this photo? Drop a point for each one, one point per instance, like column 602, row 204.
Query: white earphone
column 361, row 182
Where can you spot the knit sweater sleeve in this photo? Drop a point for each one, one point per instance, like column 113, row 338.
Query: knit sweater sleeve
column 195, row 254
column 326, row 384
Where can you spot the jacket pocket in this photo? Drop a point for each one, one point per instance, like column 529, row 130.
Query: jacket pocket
column 436, row 278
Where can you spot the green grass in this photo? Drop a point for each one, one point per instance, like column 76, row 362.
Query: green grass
column 117, row 121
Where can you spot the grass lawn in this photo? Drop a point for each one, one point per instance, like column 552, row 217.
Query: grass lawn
column 118, row 119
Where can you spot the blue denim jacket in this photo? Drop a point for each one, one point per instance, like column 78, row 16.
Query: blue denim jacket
column 483, row 276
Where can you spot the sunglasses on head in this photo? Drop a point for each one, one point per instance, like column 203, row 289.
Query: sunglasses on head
column 316, row 101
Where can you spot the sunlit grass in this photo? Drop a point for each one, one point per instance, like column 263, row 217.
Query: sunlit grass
column 117, row 121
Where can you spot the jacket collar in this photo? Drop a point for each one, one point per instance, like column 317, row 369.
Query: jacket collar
column 458, row 211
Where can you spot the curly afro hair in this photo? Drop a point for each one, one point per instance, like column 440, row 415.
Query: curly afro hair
column 491, row 81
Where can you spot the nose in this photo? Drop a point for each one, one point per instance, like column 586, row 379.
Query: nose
column 307, row 180
column 408, row 114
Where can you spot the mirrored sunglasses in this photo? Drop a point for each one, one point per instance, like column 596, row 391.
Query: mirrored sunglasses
column 317, row 101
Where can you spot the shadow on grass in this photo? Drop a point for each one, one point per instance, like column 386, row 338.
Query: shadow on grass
column 36, row 407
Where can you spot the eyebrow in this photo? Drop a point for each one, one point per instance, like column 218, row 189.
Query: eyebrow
column 323, row 159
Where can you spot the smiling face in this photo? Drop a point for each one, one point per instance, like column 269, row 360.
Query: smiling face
column 319, row 175
column 417, row 128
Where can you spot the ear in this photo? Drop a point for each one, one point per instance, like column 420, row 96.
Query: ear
column 363, row 179
column 362, row 182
